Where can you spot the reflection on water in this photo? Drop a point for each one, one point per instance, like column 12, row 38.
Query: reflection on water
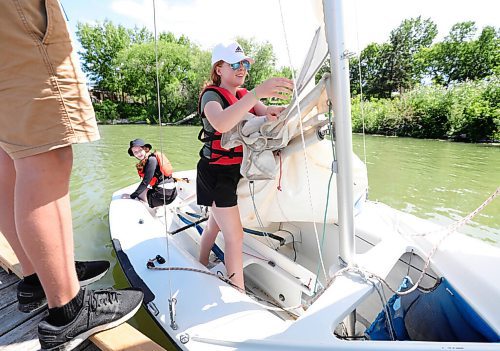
column 440, row 181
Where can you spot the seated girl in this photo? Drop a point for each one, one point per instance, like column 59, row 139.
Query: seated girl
column 157, row 186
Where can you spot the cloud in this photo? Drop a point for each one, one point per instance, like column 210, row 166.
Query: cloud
column 208, row 22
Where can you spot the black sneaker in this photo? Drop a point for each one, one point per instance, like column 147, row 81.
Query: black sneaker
column 90, row 271
column 101, row 310
column 32, row 297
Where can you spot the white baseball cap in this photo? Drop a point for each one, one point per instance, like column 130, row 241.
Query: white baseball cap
column 231, row 52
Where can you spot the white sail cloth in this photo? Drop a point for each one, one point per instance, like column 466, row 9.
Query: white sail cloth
column 292, row 185
column 261, row 138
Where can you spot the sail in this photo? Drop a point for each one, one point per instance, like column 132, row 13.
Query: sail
column 289, row 196
column 284, row 185
column 261, row 138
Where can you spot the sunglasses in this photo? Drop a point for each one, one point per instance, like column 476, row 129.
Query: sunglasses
column 236, row 66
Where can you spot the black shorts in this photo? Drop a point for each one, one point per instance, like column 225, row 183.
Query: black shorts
column 159, row 196
column 217, row 183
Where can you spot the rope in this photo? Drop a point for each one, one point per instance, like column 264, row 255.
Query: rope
column 328, row 189
column 251, row 189
column 454, row 226
column 158, row 101
column 366, row 275
column 274, row 306
column 281, row 170
column 303, row 143
column 361, row 103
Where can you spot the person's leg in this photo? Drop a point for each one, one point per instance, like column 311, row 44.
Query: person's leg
column 208, row 239
column 7, row 221
column 43, row 221
column 144, row 196
column 228, row 220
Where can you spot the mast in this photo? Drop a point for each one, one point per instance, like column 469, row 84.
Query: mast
column 340, row 91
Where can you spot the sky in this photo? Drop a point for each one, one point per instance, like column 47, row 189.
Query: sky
column 287, row 24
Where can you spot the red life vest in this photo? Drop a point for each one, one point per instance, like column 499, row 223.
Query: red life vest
column 163, row 164
column 212, row 139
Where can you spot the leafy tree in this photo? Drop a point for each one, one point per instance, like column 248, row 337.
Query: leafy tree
column 181, row 70
column 285, row 71
column 406, row 41
column 372, row 63
column 122, row 62
column 394, row 66
column 140, row 35
column 460, row 57
column 101, row 44
column 265, row 61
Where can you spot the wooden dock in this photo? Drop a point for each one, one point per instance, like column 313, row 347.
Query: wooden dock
column 18, row 331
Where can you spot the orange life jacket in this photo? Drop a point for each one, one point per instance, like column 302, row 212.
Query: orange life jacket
column 212, row 139
column 163, row 164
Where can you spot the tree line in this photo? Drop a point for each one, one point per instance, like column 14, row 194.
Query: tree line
column 414, row 87
column 121, row 63
column 122, row 67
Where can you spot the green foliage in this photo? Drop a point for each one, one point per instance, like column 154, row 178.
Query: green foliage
column 181, row 69
column 394, row 66
column 101, row 44
column 462, row 104
column 460, row 57
column 406, row 42
column 122, row 62
column 265, row 60
column 372, row 62
column 475, row 110
column 133, row 112
column 467, row 111
column 106, row 111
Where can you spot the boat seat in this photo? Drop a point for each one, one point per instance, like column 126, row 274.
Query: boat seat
column 381, row 258
column 256, row 252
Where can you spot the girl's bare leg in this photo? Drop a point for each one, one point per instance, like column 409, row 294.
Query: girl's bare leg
column 228, row 220
column 208, row 239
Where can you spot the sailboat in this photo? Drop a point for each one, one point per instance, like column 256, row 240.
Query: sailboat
column 325, row 268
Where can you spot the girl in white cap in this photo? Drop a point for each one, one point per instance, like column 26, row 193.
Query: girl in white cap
column 222, row 105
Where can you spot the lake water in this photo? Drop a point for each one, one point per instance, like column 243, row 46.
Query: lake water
column 436, row 180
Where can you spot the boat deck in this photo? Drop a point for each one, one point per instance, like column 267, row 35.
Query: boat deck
column 18, row 331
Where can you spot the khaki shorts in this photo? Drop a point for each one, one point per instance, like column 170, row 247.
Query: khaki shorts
column 44, row 101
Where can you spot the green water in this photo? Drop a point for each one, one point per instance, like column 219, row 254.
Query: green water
column 440, row 181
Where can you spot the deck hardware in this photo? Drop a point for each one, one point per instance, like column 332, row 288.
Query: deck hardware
column 184, row 338
column 151, row 261
column 152, row 307
column 171, row 307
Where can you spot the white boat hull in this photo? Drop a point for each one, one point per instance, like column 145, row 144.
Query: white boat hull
column 212, row 315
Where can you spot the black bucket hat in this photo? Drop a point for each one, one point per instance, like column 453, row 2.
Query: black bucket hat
column 137, row 142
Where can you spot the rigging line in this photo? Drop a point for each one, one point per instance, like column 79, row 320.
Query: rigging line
column 328, row 189
column 158, row 101
column 303, row 142
column 361, row 103
column 365, row 274
column 451, row 230
column 251, row 188
column 454, row 226
column 385, row 307
column 274, row 306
